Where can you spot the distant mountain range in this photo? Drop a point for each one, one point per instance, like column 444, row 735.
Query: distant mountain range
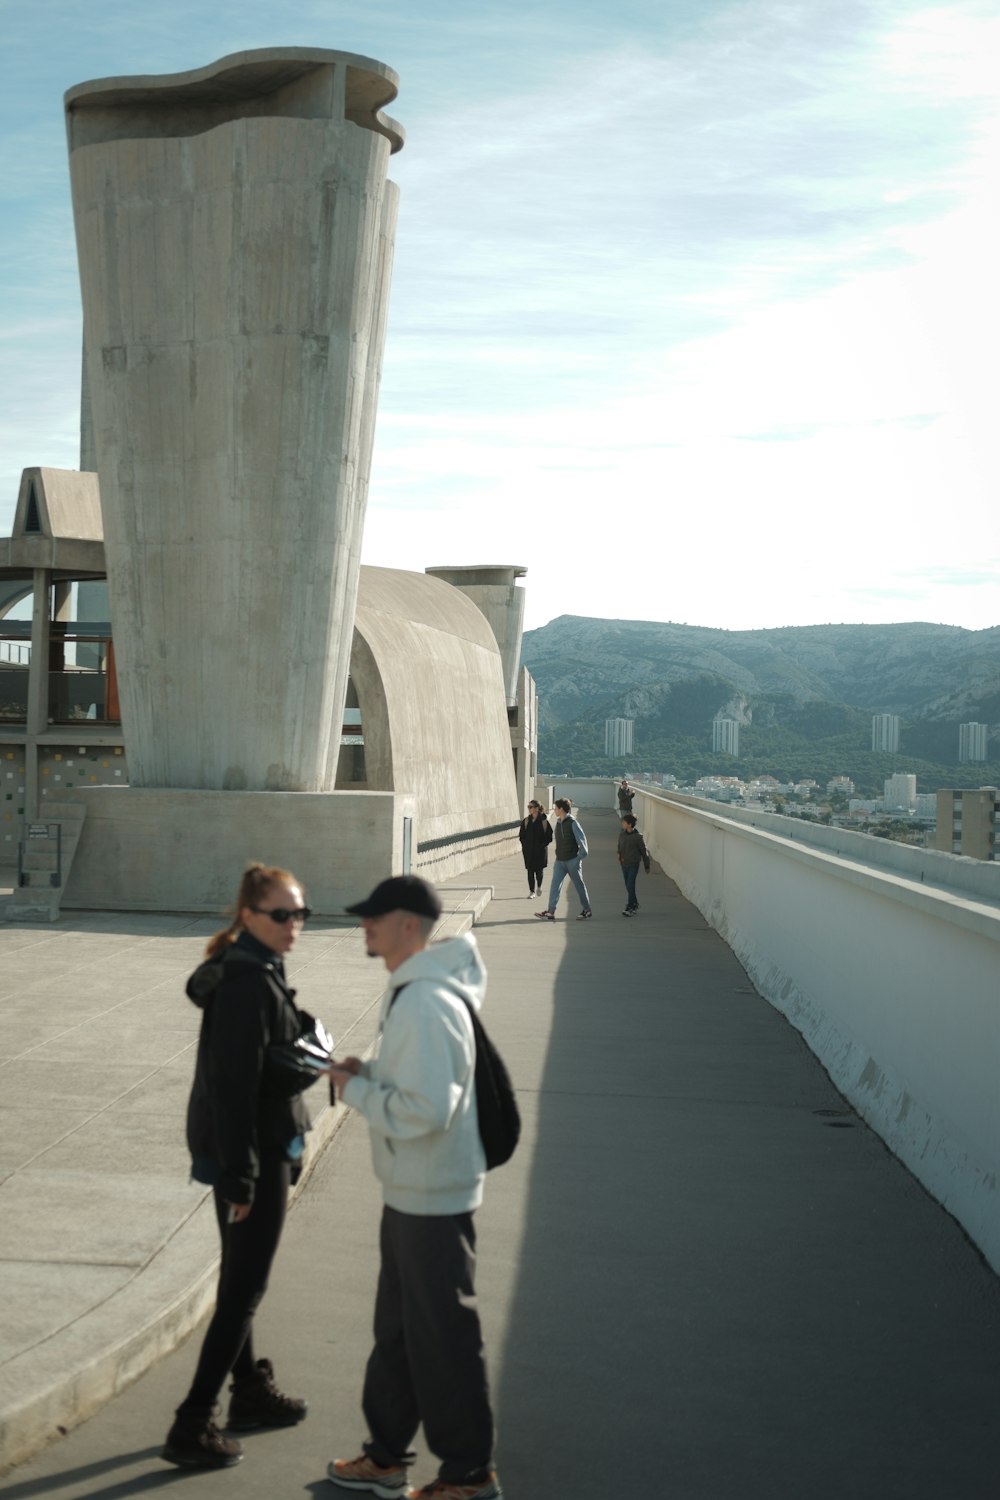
column 803, row 695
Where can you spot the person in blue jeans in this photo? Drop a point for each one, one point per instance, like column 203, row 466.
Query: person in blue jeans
column 571, row 851
column 631, row 852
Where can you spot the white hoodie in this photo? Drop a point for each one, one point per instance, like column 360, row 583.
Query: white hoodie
column 418, row 1095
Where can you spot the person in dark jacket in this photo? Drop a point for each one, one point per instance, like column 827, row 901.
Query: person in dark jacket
column 535, row 834
column 246, row 1128
column 626, row 797
column 631, row 851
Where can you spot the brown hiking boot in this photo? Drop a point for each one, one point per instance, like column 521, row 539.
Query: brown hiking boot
column 258, row 1403
column 194, row 1442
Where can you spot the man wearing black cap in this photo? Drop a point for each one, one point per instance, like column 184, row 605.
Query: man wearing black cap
column 418, row 1096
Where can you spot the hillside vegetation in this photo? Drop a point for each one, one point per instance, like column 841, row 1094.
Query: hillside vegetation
column 804, row 697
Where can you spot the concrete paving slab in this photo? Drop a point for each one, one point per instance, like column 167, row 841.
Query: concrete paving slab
column 118, row 1143
column 26, row 1082
column 163, row 1093
column 50, row 1297
column 25, row 1134
column 119, row 1036
column 701, row 1275
column 55, row 1211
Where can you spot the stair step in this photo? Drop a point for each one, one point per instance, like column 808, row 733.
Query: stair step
column 27, row 907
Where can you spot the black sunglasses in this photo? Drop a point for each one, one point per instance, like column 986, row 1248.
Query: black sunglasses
column 282, row 914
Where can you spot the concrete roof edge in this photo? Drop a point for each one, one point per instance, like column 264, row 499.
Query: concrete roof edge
column 88, row 93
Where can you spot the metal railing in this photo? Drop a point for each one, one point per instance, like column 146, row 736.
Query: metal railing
column 82, row 683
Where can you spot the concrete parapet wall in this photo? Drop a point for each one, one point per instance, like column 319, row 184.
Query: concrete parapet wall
column 891, row 981
column 977, row 878
column 445, row 859
column 145, row 849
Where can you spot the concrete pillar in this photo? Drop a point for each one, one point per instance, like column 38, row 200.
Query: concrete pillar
column 494, row 591
column 234, row 228
column 37, row 719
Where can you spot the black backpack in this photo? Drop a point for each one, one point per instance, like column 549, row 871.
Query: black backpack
column 496, row 1103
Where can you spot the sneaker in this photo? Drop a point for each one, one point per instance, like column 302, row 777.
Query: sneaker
column 546, row 916
column 627, row 912
column 258, row 1403
column 584, row 915
column 194, row 1442
column 438, row 1489
column 365, row 1474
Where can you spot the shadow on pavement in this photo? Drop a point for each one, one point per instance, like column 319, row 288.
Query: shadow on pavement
column 718, row 1294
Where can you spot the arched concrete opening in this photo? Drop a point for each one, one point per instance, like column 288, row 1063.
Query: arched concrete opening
column 429, row 680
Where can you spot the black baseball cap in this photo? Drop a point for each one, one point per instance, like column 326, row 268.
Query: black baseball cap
column 400, row 893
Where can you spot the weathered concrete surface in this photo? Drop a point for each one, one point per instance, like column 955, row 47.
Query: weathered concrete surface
column 493, row 590
column 143, row 849
column 429, row 678
column 701, row 1275
column 57, row 524
column 234, row 230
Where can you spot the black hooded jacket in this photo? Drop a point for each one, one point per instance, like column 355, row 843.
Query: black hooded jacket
column 535, row 835
column 239, row 1111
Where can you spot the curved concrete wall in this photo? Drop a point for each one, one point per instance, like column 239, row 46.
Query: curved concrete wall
column 234, row 228
column 430, row 686
column 892, row 981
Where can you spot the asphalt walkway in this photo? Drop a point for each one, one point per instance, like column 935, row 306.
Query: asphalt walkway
column 701, row 1275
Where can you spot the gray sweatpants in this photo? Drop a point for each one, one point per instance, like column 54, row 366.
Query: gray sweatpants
column 428, row 1363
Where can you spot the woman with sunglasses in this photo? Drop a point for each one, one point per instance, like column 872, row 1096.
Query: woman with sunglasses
column 246, row 1128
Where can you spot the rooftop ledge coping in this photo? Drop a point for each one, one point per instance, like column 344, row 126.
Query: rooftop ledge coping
column 296, row 82
column 964, row 910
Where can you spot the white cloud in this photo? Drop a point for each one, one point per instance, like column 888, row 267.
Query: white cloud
column 716, row 293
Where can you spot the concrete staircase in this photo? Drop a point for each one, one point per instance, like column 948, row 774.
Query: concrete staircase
column 49, row 844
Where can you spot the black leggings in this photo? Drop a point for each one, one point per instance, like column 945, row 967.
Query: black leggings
column 247, row 1252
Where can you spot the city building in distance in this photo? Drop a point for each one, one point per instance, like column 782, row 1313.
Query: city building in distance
column 972, row 742
column 900, row 794
column 885, row 732
column 725, row 737
column 618, row 737
column 966, row 822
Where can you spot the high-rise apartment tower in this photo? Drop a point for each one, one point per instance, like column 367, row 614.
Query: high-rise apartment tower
column 618, row 737
column 973, row 742
column 885, row 732
column 725, row 736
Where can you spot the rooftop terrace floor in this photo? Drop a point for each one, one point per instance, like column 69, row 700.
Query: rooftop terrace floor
column 701, row 1276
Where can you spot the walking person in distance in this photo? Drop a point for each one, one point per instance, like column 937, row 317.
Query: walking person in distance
column 631, row 852
column 571, row 851
column 246, row 1126
column 535, row 834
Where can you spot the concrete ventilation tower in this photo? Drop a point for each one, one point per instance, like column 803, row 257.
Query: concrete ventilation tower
column 234, row 229
column 494, row 591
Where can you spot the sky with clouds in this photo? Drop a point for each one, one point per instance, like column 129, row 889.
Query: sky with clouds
column 694, row 307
